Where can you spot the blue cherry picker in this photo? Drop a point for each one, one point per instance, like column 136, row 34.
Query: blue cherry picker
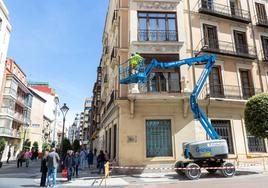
column 202, row 154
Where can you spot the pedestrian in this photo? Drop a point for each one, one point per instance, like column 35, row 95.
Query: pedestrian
column 90, row 157
column 20, row 158
column 8, row 155
column 76, row 163
column 44, row 169
column 101, row 161
column 27, row 157
column 52, row 165
column 83, row 156
column 69, row 163
column 107, row 156
column 95, row 152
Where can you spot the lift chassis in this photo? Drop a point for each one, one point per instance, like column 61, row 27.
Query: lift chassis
column 208, row 154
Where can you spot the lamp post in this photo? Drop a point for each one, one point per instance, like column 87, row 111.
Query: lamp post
column 56, row 101
column 64, row 109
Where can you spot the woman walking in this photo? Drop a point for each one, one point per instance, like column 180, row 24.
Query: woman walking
column 69, row 164
column 76, row 163
column 43, row 170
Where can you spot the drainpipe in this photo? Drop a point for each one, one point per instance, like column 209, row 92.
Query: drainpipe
column 191, row 38
column 255, row 46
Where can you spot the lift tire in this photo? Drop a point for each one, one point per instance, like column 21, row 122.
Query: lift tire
column 179, row 164
column 211, row 171
column 193, row 174
column 228, row 172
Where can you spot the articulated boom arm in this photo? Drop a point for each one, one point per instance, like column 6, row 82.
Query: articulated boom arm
column 207, row 60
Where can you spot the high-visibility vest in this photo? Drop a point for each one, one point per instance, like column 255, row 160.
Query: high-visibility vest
column 133, row 61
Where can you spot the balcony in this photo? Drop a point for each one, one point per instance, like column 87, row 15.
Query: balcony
column 19, row 117
column 230, row 92
column 157, row 35
column 261, row 21
column 11, row 92
column 227, row 48
column 9, row 132
column 223, row 11
column 7, row 110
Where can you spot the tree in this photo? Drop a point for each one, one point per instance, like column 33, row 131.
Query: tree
column 35, row 146
column 2, row 147
column 26, row 144
column 256, row 115
column 76, row 145
column 45, row 147
column 66, row 145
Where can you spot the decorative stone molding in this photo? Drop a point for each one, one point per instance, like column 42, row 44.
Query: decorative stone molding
column 158, row 47
column 167, row 5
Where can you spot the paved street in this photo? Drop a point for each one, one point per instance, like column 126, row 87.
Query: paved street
column 12, row 177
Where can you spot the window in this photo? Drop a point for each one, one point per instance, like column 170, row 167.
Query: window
column 158, row 138
column 110, row 142
column 241, row 44
column 157, row 26
column 207, row 4
column 223, row 128
column 264, row 41
column 235, row 8
column 114, row 149
column 255, row 144
column 164, row 82
column 35, row 125
column 211, row 36
column 215, row 82
column 160, row 80
column 261, row 13
column 246, row 83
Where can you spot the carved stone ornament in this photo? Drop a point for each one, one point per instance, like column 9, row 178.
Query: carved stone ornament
column 155, row 48
column 157, row 5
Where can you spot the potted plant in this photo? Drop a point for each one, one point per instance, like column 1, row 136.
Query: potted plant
column 2, row 148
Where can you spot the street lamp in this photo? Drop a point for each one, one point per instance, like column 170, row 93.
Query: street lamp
column 56, row 101
column 64, row 109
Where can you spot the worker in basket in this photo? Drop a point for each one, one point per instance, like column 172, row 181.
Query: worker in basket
column 134, row 61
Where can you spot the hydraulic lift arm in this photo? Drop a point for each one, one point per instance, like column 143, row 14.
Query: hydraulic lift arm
column 143, row 73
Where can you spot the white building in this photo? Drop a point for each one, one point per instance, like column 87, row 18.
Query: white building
column 52, row 112
column 5, row 29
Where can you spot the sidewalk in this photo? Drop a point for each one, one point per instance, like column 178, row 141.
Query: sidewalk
column 89, row 177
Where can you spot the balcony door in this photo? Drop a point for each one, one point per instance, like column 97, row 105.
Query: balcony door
column 246, row 83
column 207, row 4
column 241, row 44
column 215, row 83
column 235, row 8
column 264, row 41
column 211, row 36
column 261, row 13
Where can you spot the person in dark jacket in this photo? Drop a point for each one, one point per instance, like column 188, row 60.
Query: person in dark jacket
column 101, row 161
column 68, row 163
column 44, row 170
column 90, row 157
column 76, row 163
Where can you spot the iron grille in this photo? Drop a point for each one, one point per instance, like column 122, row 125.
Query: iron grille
column 256, row 144
column 158, row 138
column 223, row 128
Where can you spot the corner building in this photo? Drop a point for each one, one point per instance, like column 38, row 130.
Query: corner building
column 147, row 124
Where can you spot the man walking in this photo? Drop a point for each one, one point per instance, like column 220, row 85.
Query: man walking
column 52, row 164
column 8, row 155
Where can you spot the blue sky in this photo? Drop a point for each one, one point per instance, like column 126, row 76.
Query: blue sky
column 59, row 41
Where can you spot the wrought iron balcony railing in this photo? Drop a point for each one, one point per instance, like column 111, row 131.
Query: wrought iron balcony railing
column 157, row 35
column 223, row 11
column 227, row 48
column 230, row 91
column 261, row 21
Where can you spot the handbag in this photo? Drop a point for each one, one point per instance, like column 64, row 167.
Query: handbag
column 64, row 172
